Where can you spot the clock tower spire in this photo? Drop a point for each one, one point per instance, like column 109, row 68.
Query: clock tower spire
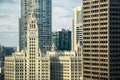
column 32, row 36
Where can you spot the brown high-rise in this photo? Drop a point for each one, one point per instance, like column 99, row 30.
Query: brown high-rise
column 101, row 39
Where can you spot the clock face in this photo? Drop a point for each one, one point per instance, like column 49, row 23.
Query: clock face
column 32, row 34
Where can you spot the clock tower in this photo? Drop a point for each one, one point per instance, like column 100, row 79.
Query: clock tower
column 32, row 36
column 33, row 51
column 31, row 63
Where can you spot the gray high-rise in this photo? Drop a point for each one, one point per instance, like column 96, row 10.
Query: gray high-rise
column 43, row 12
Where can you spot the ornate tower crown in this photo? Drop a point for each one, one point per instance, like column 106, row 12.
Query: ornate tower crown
column 32, row 21
column 32, row 35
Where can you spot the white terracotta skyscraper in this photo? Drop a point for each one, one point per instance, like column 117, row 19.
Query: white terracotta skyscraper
column 77, row 28
column 30, row 63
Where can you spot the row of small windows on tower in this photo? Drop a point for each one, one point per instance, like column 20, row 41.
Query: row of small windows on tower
column 95, row 20
column 32, row 51
column 95, row 46
column 32, row 26
column 94, row 33
column 32, row 48
column 95, row 28
column 95, row 11
column 101, row 51
column 87, row 2
column 95, row 6
column 95, row 24
column 95, row 16
column 32, row 39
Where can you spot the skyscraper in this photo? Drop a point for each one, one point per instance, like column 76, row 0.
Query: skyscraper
column 65, row 40
column 101, row 39
column 77, row 28
column 30, row 63
column 62, row 39
column 43, row 13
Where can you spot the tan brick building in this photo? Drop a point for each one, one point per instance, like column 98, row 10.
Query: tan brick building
column 101, row 39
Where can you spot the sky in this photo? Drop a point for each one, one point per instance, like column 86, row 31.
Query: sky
column 62, row 14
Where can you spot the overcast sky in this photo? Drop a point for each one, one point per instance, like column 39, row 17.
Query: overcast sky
column 10, row 13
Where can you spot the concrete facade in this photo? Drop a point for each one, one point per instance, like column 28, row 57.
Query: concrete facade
column 77, row 28
column 101, row 39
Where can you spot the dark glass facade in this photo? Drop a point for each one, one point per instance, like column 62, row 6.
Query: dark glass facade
column 62, row 40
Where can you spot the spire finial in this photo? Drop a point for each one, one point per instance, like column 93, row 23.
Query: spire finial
column 53, row 47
